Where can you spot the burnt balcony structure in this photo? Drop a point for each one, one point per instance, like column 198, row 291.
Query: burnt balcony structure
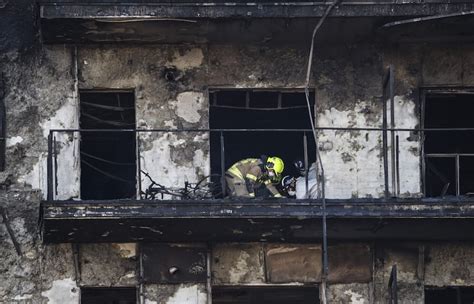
column 269, row 22
column 157, row 213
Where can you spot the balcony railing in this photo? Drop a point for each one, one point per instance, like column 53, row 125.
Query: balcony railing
column 190, row 164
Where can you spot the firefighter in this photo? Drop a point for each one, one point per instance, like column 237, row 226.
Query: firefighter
column 245, row 176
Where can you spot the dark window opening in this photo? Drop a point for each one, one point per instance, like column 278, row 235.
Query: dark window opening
column 457, row 295
column 449, row 155
column 108, row 158
column 265, row 295
column 117, row 295
column 244, row 109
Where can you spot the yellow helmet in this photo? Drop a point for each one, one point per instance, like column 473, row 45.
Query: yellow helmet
column 276, row 164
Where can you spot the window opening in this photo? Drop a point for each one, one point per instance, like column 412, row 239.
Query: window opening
column 259, row 109
column 116, row 295
column 449, row 155
column 458, row 295
column 265, row 295
column 108, row 158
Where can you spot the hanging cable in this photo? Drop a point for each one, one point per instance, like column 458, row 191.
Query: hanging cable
column 109, row 175
column 318, row 156
column 112, row 108
column 106, row 160
column 109, row 122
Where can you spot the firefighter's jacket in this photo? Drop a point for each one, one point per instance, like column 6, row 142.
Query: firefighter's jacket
column 251, row 172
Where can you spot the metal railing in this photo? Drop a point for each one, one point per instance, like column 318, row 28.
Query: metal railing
column 155, row 189
column 57, row 147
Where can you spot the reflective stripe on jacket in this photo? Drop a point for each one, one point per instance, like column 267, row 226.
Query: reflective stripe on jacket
column 250, row 169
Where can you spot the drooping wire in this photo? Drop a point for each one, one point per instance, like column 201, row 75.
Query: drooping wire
column 106, row 160
column 109, row 122
column 105, row 107
column 318, row 156
column 109, row 175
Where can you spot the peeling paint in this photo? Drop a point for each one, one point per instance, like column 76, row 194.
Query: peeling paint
column 11, row 141
column 191, row 59
column 188, row 295
column 62, row 291
column 355, row 298
column 188, row 105
column 126, row 250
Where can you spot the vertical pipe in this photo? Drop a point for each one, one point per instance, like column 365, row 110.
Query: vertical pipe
column 398, row 164
column 223, row 184
column 55, row 156
column 139, row 167
column 395, row 284
column 458, row 186
column 77, row 265
column 385, row 145
column 392, row 132
column 422, row 145
column 209, row 274
column 306, row 166
column 2, row 125
column 50, row 167
column 141, row 291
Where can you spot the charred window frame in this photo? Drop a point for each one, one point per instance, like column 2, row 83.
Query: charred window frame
column 265, row 294
column 109, row 158
column 449, row 294
column 445, row 167
column 109, row 295
column 252, row 109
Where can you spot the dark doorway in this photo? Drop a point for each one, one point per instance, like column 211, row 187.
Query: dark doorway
column 449, row 155
column 120, row 295
column 108, row 156
column 258, row 109
column 455, row 295
column 265, row 295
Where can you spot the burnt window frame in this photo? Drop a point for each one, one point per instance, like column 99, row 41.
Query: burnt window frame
column 423, row 91
column 458, row 290
column 129, row 90
column 109, row 288
column 212, row 89
column 235, row 288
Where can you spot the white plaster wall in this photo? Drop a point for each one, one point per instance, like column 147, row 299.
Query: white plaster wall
column 349, row 171
column 68, row 170
column 63, row 291
column 157, row 161
column 409, row 157
column 352, row 160
column 188, row 295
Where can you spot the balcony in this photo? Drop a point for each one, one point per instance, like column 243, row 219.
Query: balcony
column 166, row 201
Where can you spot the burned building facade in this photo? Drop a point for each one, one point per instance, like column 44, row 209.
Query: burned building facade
column 118, row 118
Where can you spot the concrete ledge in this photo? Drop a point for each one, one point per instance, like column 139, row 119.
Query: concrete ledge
column 278, row 221
column 245, row 10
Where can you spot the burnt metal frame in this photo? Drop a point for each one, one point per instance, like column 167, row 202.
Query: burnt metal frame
column 50, row 159
column 392, row 285
column 440, row 91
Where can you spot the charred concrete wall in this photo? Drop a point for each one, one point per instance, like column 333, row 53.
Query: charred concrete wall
column 40, row 89
column 359, row 272
column 43, row 88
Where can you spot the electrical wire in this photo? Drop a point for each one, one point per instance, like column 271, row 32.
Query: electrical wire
column 109, row 122
column 318, row 156
column 112, row 108
column 106, row 160
column 109, row 175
